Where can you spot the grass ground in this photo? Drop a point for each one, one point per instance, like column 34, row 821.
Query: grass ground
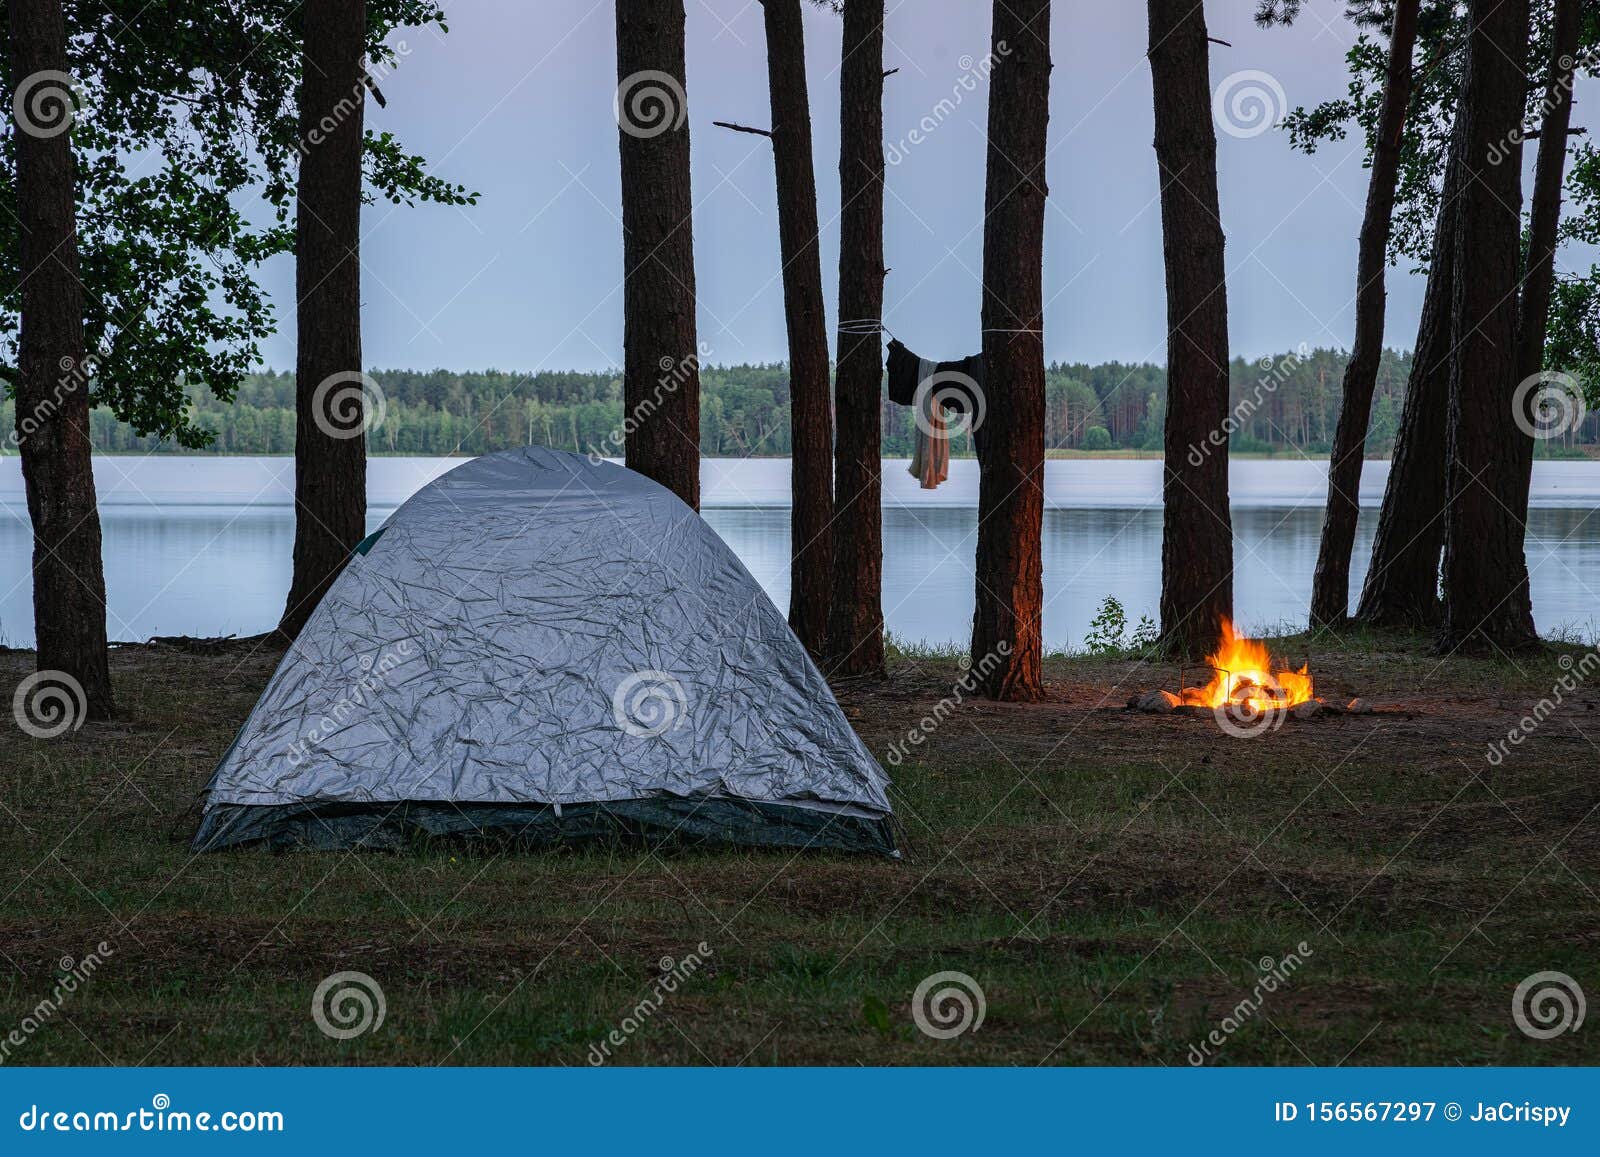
column 1113, row 883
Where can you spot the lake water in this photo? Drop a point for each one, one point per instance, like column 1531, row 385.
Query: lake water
column 201, row 545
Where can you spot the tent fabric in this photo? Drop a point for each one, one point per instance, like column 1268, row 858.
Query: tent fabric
column 553, row 649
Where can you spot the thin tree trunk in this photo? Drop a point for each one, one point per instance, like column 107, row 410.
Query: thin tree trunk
column 811, row 423
column 1007, row 652
column 1402, row 585
column 1486, row 604
column 1330, row 587
column 330, row 449
column 1539, row 278
column 661, row 356
column 69, row 589
column 1197, row 529
column 855, row 623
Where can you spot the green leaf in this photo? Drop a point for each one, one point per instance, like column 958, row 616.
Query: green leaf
column 876, row 1013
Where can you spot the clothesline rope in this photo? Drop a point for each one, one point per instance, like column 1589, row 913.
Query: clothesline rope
column 864, row 326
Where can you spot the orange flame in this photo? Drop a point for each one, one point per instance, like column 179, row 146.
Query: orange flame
column 1244, row 676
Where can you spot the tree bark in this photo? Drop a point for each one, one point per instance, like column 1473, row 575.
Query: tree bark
column 1197, row 528
column 1539, row 279
column 810, row 407
column 661, row 355
column 330, row 449
column 1402, row 585
column 1330, row 587
column 69, row 590
column 855, row 623
column 1007, row 651
column 1486, row 603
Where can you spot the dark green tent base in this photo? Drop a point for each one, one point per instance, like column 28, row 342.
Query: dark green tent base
column 648, row 822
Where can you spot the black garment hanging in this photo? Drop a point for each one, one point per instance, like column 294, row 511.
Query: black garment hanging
column 951, row 388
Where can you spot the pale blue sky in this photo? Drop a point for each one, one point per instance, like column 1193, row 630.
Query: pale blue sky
column 516, row 102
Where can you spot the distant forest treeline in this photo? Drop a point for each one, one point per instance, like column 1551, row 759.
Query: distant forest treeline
column 1288, row 403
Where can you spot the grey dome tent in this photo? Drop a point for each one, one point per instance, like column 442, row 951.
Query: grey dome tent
column 552, row 649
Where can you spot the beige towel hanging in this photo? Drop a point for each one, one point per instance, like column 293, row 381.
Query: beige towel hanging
column 930, row 445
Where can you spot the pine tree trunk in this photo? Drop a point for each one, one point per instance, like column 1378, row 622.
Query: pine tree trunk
column 811, row 456
column 1402, row 585
column 661, row 356
column 1007, row 651
column 1330, row 587
column 1486, row 604
column 1539, row 278
column 855, row 623
column 52, row 412
column 1197, row 529
column 330, row 449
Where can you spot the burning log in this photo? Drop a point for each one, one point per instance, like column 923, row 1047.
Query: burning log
column 1247, row 688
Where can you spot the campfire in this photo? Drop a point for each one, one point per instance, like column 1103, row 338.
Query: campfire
column 1242, row 676
column 1245, row 690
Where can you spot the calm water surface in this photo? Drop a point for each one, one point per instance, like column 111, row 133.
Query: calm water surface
column 201, row 546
